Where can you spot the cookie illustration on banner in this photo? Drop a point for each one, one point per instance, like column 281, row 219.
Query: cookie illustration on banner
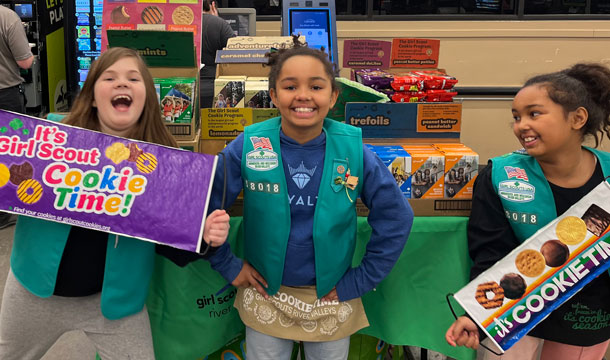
column 29, row 191
column 530, row 263
column 183, row 15
column 5, row 175
column 152, row 15
column 119, row 15
column 513, row 285
column 555, row 253
column 134, row 152
column 117, row 152
column 571, row 230
column 596, row 219
column 146, row 163
column 490, row 295
column 20, row 172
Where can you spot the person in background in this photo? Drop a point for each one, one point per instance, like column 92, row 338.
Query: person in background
column 64, row 277
column 15, row 53
column 553, row 114
column 215, row 32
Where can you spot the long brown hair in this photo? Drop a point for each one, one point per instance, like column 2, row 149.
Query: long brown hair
column 149, row 128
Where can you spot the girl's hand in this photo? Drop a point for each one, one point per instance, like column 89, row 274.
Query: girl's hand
column 331, row 296
column 248, row 276
column 216, row 228
column 463, row 332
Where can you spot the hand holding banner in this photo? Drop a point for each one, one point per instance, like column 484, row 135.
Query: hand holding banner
column 93, row 180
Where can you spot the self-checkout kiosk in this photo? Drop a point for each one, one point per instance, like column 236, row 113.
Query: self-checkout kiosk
column 314, row 19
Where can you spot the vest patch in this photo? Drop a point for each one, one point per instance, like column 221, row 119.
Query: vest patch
column 515, row 172
column 517, row 191
column 262, row 160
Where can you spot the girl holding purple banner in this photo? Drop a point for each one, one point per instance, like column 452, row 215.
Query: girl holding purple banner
column 66, row 278
column 554, row 113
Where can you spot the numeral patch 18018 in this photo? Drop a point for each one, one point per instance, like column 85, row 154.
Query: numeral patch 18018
column 521, row 217
column 271, row 188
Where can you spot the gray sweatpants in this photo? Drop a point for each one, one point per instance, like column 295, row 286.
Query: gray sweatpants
column 30, row 325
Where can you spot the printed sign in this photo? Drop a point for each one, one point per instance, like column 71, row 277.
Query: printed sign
column 439, row 118
column 85, row 178
column 161, row 15
column 519, row 291
column 415, row 53
column 366, row 54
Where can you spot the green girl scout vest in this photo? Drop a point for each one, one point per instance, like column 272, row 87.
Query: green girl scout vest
column 39, row 245
column 267, row 209
column 525, row 193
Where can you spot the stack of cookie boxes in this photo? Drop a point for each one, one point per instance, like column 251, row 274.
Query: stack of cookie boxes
column 519, row 291
column 171, row 59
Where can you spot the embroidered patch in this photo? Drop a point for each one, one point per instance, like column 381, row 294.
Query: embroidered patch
column 261, row 143
column 262, row 160
column 515, row 172
column 517, row 191
column 340, row 169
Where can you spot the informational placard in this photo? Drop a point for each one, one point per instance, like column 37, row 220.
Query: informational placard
column 415, row 53
column 366, row 54
column 85, row 178
column 439, row 118
column 224, row 123
column 161, row 15
column 519, row 291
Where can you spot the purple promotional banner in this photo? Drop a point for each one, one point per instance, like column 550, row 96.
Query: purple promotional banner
column 85, row 178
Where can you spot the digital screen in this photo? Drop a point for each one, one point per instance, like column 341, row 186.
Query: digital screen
column 314, row 24
column 25, row 11
column 88, row 31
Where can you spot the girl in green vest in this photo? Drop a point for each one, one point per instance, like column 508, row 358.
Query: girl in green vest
column 553, row 114
column 66, row 278
column 301, row 174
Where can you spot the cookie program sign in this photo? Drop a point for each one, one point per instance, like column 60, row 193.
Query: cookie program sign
column 519, row 291
column 93, row 180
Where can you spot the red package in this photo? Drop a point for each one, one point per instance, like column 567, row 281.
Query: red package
column 436, row 80
column 408, row 83
column 440, row 95
column 409, row 96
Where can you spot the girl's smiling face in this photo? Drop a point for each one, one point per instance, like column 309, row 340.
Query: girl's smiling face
column 119, row 95
column 303, row 94
column 542, row 126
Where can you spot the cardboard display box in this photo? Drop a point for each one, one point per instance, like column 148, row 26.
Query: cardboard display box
column 191, row 145
column 167, row 54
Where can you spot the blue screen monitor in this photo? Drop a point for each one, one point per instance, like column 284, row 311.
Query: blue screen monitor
column 25, row 11
column 315, row 20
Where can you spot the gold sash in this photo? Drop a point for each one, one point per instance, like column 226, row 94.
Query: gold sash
column 295, row 313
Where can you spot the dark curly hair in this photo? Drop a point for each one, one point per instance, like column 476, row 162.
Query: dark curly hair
column 584, row 85
column 278, row 57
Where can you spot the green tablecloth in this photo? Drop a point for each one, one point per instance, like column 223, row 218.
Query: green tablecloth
column 190, row 319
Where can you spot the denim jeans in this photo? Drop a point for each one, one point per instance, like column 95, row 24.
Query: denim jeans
column 264, row 347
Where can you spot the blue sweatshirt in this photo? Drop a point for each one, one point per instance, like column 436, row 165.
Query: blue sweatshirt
column 390, row 215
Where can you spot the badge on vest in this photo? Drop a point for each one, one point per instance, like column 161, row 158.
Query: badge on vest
column 515, row 172
column 517, row 191
column 262, row 158
column 342, row 178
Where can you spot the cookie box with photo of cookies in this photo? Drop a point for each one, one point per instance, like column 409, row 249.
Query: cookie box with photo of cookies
column 510, row 298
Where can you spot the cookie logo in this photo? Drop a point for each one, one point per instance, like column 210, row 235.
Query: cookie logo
column 5, row 175
column 265, row 314
column 152, row 15
column 183, row 15
column 134, row 152
column 571, row 230
column 487, row 289
column 146, row 163
column 285, row 321
column 119, row 15
column 21, row 172
column 513, row 285
column 328, row 325
column 530, row 263
column 344, row 312
column 29, row 191
column 555, row 253
column 596, row 219
column 309, row 325
column 117, row 152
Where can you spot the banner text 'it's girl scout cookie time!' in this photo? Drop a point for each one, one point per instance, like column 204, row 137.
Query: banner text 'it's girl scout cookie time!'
column 519, row 291
column 93, row 180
